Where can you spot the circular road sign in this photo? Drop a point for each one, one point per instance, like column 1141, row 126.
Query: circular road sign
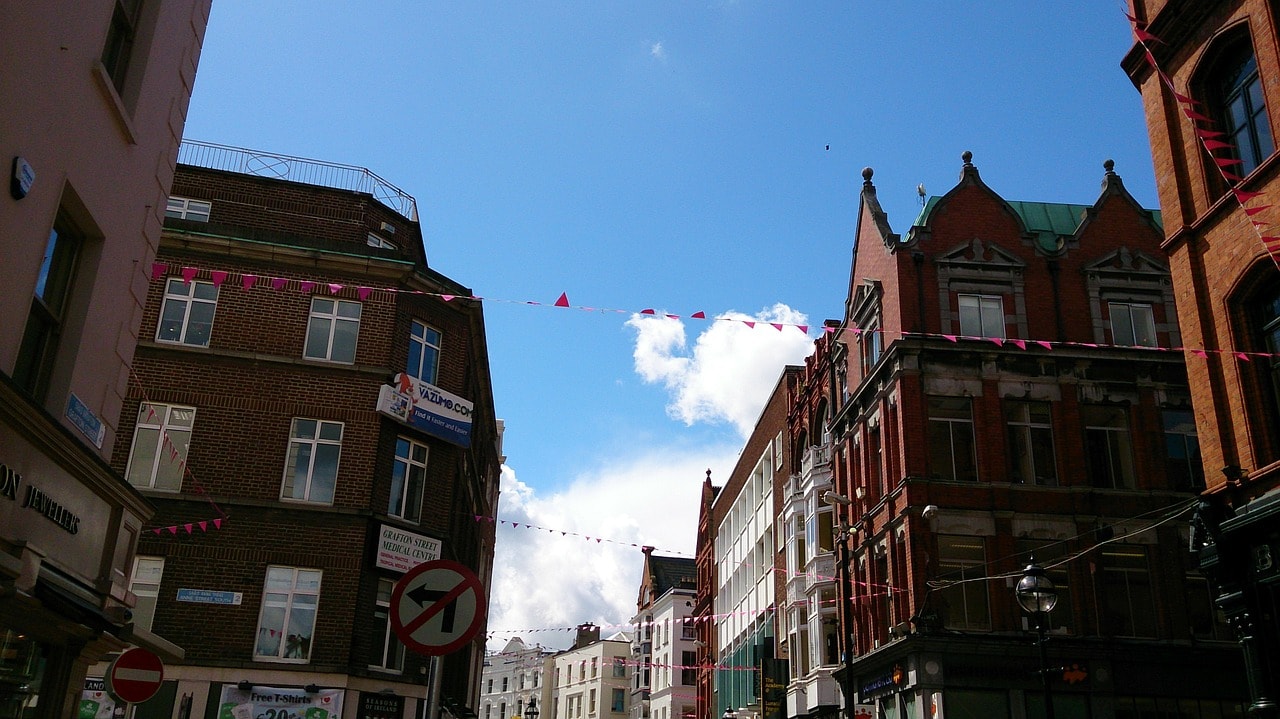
column 437, row 607
column 135, row 676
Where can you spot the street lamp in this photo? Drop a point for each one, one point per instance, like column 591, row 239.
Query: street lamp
column 729, row 713
column 846, row 601
column 1037, row 595
column 531, row 711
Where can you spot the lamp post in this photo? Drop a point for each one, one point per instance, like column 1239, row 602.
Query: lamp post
column 1037, row 595
column 531, row 711
column 846, row 601
column 729, row 713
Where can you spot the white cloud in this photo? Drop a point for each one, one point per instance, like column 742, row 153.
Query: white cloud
column 732, row 369
column 576, row 555
column 658, row 51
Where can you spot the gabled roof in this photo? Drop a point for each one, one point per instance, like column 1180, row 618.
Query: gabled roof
column 1048, row 221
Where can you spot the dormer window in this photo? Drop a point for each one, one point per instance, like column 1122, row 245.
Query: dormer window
column 185, row 208
column 981, row 316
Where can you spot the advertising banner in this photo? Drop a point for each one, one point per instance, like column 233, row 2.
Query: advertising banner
column 279, row 703
column 428, row 408
column 96, row 703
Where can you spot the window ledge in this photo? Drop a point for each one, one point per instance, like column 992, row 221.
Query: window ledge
column 121, row 113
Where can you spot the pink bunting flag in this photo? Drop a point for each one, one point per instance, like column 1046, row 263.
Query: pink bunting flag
column 1271, row 243
column 672, row 317
column 157, row 531
column 204, row 525
column 173, row 530
column 217, row 523
column 563, row 300
column 1231, row 176
column 334, row 288
column 447, row 298
column 1205, row 133
column 363, row 293
column 1185, row 100
column 998, row 342
column 1227, row 161
column 219, row 277
column 1020, row 344
column 699, row 315
column 1212, row 145
column 246, row 281
column 1193, row 115
column 750, row 324
column 776, row 326
column 189, row 273
column 187, row 527
column 479, row 518
column 648, row 312
column 1143, row 35
column 306, row 286
column 1251, row 211
column 804, row 328
column 278, row 283
column 1200, row 353
column 158, row 269
column 951, row 338
column 151, row 412
column 1242, row 356
column 1243, row 196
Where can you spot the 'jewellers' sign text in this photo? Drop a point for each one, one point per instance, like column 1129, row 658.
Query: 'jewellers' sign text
column 34, row 498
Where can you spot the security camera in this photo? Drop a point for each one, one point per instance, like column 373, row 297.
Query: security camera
column 930, row 511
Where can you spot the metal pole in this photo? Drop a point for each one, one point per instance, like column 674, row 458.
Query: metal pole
column 846, row 619
column 1041, row 621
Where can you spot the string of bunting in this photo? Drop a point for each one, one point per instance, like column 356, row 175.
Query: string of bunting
column 250, row 281
column 1227, row 160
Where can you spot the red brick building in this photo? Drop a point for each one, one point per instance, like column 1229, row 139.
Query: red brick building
column 1211, row 118
column 290, row 316
column 1002, row 389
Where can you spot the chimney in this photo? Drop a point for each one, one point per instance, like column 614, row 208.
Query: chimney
column 587, row 634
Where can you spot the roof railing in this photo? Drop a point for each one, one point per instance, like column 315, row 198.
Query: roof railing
column 297, row 169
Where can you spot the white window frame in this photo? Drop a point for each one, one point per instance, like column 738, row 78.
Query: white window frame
column 420, row 339
column 1138, row 327
column 185, row 208
column 405, row 466
column 178, row 290
column 392, row 659
column 331, row 311
column 990, row 310
column 167, row 422
column 316, row 441
column 302, row 594
column 144, row 583
column 376, row 240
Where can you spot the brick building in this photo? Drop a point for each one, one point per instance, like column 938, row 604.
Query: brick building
column 1211, row 120
column 93, row 100
column 739, row 555
column 290, row 317
column 1002, row 390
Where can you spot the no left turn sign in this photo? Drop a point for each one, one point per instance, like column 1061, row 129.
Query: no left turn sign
column 437, row 607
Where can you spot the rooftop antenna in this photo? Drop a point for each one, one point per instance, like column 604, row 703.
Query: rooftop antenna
column 920, row 192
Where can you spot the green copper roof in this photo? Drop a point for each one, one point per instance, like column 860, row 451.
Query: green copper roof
column 1049, row 221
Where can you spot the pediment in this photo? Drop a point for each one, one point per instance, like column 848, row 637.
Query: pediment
column 1126, row 261
column 979, row 252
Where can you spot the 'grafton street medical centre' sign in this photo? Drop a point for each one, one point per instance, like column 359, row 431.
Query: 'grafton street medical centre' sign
column 428, row 408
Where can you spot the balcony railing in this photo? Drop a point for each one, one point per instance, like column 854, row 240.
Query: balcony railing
column 297, row 169
column 814, row 458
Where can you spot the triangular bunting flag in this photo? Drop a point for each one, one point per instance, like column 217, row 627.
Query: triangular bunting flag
column 1200, row 353
column 173, row 530
column 1020, row 344
column 1251, row 211
column 1212, row 145
column 563, row 300
column 246, row 281
column 648, row 312
column 1193, row 115
column 1242, row 356
column 278, row 283
column 699, row 315
column 334, row 288
column 749, row 323
column 1205, row 132
column 158, row 269
column 1185, row 100
column 187, row 527
column 997, row 341
column 951, row 338
column 363, row 293
column 776, row 326
column 447, row 298
column 204, row 525
column 218, row 277
column 217, row 524
column 306, row 286
column 1243, row 196
column 1227, row 161
column 189, row 273
column 804, row 328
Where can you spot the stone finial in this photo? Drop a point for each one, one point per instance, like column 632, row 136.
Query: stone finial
column 1109, row 165
column 867, row 172
column 967, row 157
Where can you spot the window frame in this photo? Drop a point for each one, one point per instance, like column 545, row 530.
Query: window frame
column 293, row 457
column 390, row 648
column 421, row 348
column 960, row 568
column 46, row 321
column 337, row 322
column 290, row 606
column 166, row 432
column 190, row 300
column 1021, row 432
column 1119, row 457
column 934, row 425
column 1110, row 587
column 1186, row 472
column 982, row 303
column 1133, row 336
column 186, row 208
column 1235, row 77
column 402, row 473
column 145, row 590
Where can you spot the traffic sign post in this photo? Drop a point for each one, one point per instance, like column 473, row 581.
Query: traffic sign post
column 135, row 676
column 437, row 607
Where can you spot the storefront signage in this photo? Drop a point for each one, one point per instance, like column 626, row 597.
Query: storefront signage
column 428, row 408
column 401, row 551
column 34, row 498
column 891, row 679
column 96, row 703
column 85, row 420
column 279, row 703
column 209, row 596
column 380, row 706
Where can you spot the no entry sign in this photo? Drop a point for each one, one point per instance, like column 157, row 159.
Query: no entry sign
column 135, row 676
column 437, row 607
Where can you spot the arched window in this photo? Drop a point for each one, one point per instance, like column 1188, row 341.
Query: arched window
column 1233, row 88
column 1256, row 323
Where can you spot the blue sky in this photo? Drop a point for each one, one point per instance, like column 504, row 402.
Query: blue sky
column 681, row 156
